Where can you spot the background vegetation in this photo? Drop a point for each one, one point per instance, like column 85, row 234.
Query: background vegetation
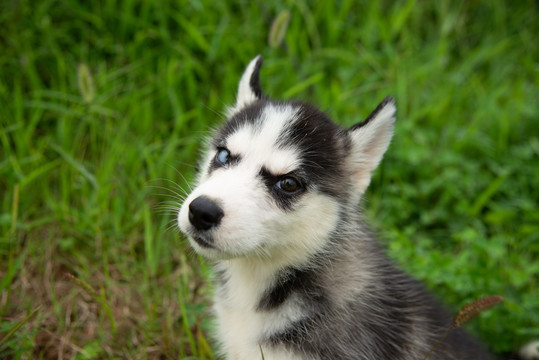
column 104, row 105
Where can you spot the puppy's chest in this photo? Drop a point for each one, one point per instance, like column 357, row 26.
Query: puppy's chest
column 239, row 330
column 243, row 330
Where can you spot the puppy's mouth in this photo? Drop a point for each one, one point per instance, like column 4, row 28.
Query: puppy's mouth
column 204, row 242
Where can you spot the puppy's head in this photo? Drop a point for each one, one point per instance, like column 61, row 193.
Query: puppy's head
column 277, row 175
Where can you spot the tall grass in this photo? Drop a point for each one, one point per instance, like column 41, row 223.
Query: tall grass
column 105, row 104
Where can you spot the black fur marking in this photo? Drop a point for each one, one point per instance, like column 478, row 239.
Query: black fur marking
column 254, row 81
column 387, row 100
column 248, row 115
column 284, row 199
column 291, row 280
column 322, row 145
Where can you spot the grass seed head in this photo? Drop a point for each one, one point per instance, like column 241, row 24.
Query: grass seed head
column 470, row 311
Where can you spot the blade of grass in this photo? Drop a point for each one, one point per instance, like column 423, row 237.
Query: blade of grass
column 99, row 298
column 302, row 85
column 149, row 248
column 185, row 322
column 15, row 208
column 77, row 165
column 484, row 197
column 18, row 325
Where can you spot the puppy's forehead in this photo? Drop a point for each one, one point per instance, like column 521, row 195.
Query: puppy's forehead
column 287, row 136
column 257, row 133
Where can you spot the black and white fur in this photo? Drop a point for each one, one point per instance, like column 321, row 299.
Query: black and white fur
column 299, row 275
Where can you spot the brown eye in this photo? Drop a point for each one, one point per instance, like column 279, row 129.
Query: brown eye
column 288, row 184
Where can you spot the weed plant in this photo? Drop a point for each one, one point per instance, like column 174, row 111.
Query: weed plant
column 104, row 105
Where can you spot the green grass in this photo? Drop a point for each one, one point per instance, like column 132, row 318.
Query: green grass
column 105, row 104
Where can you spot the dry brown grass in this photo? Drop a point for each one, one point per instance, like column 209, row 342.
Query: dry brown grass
column 72, row 320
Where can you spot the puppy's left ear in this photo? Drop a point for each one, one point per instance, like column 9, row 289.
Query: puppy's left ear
column 249, row 89
column 370, row 140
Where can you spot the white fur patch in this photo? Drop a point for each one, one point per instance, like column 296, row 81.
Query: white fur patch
column 258, row 145
column 240, row 327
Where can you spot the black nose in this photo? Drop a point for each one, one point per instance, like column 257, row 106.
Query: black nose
column 204, row 213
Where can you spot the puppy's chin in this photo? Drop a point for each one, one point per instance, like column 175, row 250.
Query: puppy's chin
column 209, row 250
column 213, row 250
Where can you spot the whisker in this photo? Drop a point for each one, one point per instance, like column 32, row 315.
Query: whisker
column 189, row 165
column 173, row 182
column 172, row 226
column 179, row 195
column 183, row 177
column 176, row 185
column 219, row 113
column 176, row 197
column 166, row 212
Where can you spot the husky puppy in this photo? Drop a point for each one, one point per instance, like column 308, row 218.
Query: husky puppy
column 299, row 275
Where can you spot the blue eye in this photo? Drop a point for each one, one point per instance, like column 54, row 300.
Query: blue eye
column 223, row 155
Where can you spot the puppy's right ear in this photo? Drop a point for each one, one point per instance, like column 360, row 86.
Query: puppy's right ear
column 249, row 89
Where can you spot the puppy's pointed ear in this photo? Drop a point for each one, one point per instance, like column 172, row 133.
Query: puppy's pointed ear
column 370, row 140
column 249, row 89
